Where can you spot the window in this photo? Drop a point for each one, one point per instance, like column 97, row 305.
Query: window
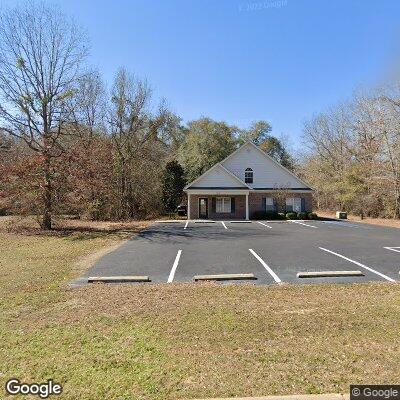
column 223, row 205
column 248, row 175
column 269, row 204
column 293, row 204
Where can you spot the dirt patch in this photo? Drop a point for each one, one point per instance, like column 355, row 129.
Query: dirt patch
column 393, row 223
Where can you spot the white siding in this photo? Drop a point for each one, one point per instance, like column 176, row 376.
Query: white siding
column 267, row 174
column 217, row 177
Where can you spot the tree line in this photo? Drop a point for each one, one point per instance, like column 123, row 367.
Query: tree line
column 70, row 145
column 353, row 158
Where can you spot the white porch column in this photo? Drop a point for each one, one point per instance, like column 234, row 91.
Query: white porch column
column 188, row 206
column 247, row 206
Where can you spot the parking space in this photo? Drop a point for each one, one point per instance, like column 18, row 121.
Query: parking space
column 218, row 258
column 274, row 251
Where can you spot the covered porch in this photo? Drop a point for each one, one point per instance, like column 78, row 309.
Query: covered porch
column 218, row 204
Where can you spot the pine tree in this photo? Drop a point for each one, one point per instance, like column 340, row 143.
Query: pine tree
column 173, row 184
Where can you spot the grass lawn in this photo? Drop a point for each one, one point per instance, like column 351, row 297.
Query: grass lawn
column 183, row 341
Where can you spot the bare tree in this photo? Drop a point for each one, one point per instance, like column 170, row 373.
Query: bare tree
column 387, row 108
column 354, row 158
column 135, row 130
column 41, row 55
column 88, row 107
column 281, row 193
column 5, row 142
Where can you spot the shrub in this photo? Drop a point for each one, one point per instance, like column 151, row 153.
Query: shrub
column 272, row 215
column 259, row 215
column 303, row 215
column 312, row 215
column 280, row 215
column 291, row 215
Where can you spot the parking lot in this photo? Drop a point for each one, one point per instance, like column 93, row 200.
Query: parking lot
column 274, row 252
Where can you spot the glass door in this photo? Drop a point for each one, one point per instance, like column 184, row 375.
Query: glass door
column 203, row 208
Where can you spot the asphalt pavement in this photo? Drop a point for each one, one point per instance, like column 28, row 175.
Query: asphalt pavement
column 273, row 251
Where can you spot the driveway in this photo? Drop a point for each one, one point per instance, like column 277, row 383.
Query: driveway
column 274, row 252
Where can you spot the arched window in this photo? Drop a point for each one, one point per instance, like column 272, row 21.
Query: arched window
column 248, row 175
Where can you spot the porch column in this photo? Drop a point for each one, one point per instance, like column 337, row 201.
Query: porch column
column 247, row 206
column 188, row 206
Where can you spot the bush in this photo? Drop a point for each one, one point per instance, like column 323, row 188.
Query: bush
column 270, row 215
column 259, row 215
column 312, row 215
column 291, row 215
column 302, row 215
column 280, row 215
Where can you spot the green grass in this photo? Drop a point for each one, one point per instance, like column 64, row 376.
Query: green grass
column 95, row 361
column 185, row 341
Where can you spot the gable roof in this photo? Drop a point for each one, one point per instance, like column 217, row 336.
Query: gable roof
column 219, row 167
column 278, row 164
column 233, row 178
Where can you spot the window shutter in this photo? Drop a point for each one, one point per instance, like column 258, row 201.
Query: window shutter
column 232, row 204
column 264, row 204
column 275, row 205
column 213, row 204
column 303, row 204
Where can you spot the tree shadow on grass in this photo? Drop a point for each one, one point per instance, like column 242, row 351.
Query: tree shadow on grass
column 95, row 234
column 73, row 229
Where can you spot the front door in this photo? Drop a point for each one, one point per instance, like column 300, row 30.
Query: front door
column 203, row 208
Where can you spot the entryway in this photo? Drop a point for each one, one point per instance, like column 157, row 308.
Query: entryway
column 203, row 208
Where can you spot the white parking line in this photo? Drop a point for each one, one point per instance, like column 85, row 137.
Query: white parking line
column 168, row 221
column 223, row 224
column 359, row 264
column 396, row 249
column 264, row 264
column 302, row 223
column 186, row 225
column 172, row 273
column 265, row 224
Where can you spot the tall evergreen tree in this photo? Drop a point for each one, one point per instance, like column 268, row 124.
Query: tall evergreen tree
column 173, row 184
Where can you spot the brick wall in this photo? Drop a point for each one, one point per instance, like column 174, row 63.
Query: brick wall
column 240, row 207
column 255, row 201
column 309, row 201
column 255, row 204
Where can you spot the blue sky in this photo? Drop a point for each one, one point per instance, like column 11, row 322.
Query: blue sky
column 244, row 60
